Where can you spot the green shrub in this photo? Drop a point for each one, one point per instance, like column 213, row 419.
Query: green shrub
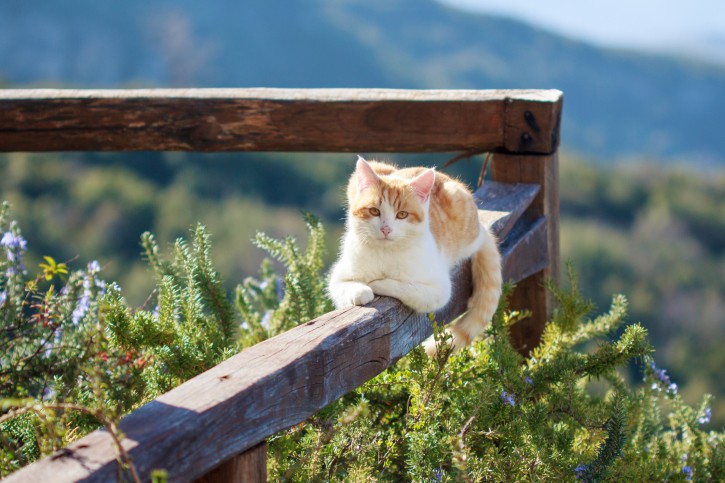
column 75, row 357
column 488, row 414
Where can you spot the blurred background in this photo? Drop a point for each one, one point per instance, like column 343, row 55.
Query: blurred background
column 643, row 152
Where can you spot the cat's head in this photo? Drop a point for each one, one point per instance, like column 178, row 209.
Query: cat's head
column 385, row 208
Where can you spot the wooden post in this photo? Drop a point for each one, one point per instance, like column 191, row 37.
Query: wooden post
column 530, row 293
column 248, row 467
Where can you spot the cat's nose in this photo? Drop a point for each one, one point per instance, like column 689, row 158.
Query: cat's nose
column 386, row 231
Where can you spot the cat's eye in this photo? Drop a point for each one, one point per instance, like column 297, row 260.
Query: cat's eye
column 374, row 211
column 402, row 215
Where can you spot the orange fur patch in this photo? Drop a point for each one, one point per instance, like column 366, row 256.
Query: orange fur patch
column 453, row 213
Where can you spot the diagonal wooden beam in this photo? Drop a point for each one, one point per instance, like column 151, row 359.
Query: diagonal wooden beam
column 502, row 204
column 282, row 381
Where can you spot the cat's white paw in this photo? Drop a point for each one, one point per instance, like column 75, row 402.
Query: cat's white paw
column 422, row 298
column 345, row 294
column 360, row 295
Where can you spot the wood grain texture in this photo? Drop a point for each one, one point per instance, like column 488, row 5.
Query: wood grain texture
column 530, row 292
column 277, row 383
column 524, row 251
column 358, row 120
column 502, row 204
column 248, row 467
column 533, row 128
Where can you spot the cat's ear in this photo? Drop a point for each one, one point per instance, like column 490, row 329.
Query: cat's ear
column 365, row 175
column 423, row 184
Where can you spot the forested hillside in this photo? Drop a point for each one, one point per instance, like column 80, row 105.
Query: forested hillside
column 617, row 103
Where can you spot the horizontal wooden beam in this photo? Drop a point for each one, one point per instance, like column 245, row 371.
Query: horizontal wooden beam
column 315, row 120
column 284, row 380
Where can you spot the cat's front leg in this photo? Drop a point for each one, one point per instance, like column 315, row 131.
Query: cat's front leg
column 421, row 297
column 350, row 293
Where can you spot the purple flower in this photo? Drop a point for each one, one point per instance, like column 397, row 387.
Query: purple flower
column 266, row 318
column 279, row 288
column 3, row 297
column 704, row 419
column 529, row 380
column 438, row 474
column 57, row 338
column 688, row 472
column 581, row 471
column 84, row 303
column 89, row 282
column 661, row 374
column 663, row 378
column 508, row 398
column 14, row 245
column 13, row 242
column 93, row 267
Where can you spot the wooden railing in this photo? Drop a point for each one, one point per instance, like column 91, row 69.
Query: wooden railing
column 214, row 426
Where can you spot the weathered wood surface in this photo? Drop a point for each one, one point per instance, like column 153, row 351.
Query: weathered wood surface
column 502, row 204
column 530, row 126
column 283, row 380
column 530, row 293
column 358, row 120
column 524, row 250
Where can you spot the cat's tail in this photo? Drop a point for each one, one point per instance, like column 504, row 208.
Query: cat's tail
column 487, row 286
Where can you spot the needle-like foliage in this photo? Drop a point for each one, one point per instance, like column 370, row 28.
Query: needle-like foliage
column 74, row 357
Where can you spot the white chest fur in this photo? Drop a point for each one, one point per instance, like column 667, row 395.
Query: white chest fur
column 415, row 261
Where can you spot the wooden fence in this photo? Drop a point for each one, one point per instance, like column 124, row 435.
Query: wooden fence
column 214, row 426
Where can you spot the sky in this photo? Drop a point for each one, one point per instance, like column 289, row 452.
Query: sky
column 664, row 25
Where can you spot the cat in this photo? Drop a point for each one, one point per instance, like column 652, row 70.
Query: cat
column 406, row 229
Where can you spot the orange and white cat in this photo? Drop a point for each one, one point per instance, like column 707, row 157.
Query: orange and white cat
column 406, row 229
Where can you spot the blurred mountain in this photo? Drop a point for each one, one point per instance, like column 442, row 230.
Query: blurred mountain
column 709, row 47
column 617, row 103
